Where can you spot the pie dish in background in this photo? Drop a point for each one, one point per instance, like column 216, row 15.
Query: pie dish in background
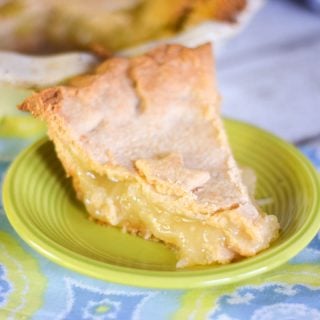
column 41, row 70
column 50, row 26
column 34, row 27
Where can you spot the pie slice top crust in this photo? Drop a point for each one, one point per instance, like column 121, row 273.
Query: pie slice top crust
column 144, row 143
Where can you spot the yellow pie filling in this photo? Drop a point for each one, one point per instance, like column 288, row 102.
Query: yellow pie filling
column 202, row 240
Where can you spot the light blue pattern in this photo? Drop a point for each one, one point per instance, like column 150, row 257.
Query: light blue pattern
column 310, row 254
column 5, row 287
column 103, row 309
column 313, row 153
column 77, row 291
column 286, row 311
column 85, row 302
column 271, row 301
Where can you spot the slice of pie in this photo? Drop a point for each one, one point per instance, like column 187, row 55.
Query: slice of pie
column 144, row 143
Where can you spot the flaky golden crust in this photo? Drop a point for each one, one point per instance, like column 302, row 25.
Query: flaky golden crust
column 152, row 105
column 164, row 102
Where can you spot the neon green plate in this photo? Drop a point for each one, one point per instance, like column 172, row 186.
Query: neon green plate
column 41, row 206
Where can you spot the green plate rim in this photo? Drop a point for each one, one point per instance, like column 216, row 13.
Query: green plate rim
column 180, row 279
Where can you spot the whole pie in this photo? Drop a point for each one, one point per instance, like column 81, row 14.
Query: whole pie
column 144, row 143
column 55, row 25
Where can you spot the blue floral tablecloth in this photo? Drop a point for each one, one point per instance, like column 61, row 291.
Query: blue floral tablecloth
column 32, row 287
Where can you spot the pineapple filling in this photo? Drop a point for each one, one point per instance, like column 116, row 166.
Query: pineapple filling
column 124, row 204
column 197, row 240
